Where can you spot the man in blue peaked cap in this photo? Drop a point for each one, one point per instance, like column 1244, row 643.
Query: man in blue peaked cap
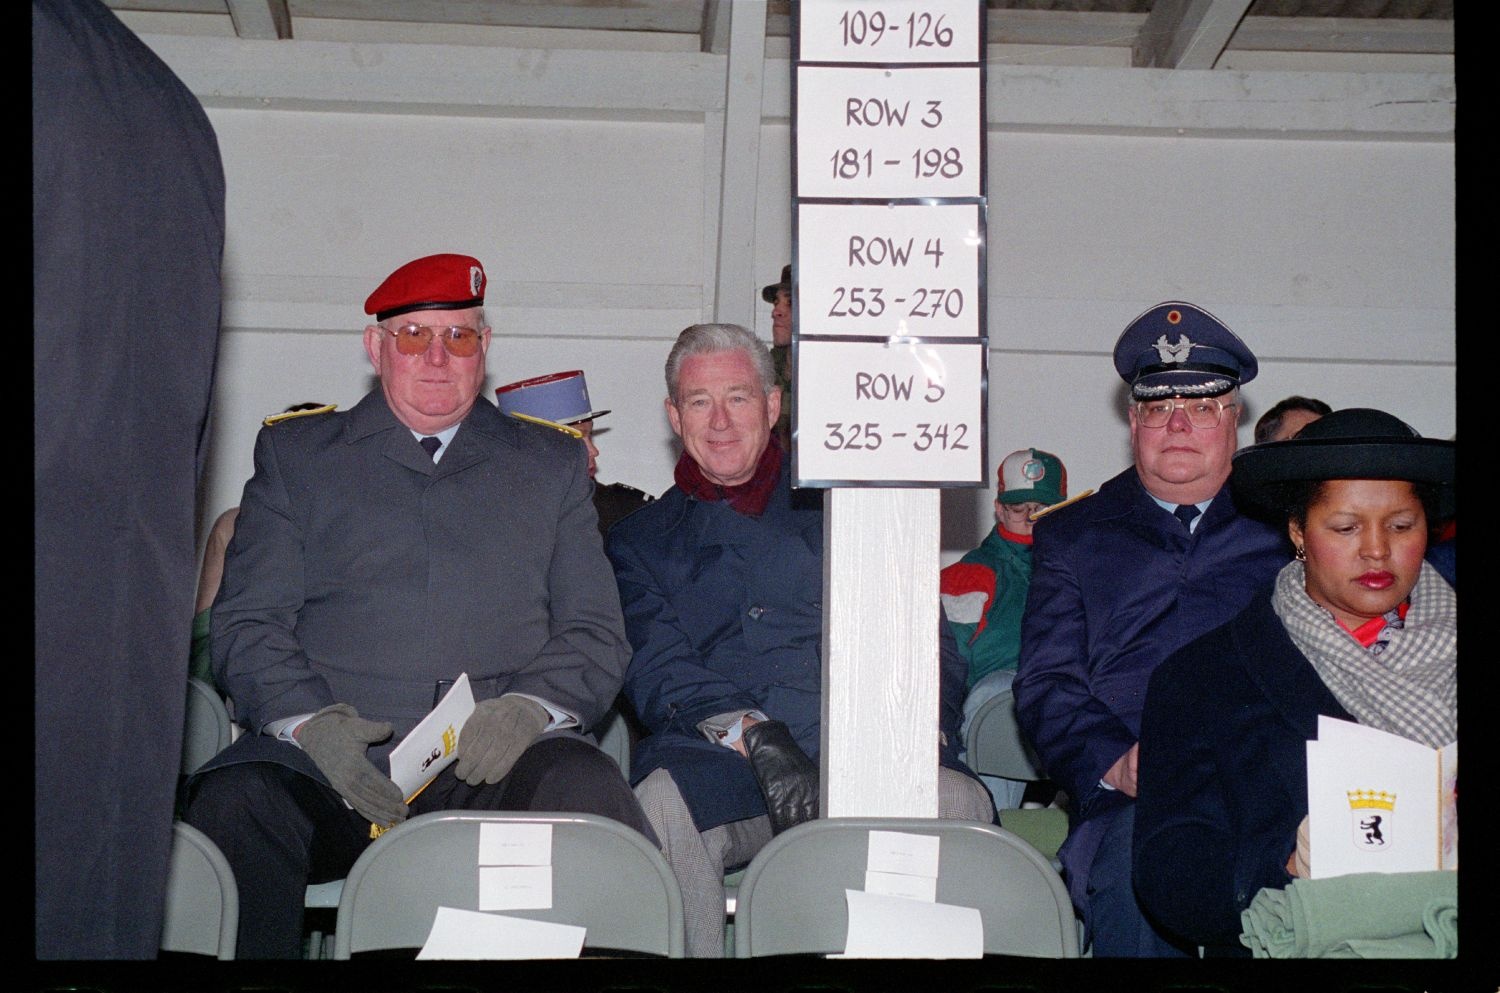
column 1123, row 579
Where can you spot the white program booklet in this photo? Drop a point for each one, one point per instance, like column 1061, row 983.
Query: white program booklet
column 1378, row 802
column 430, row 747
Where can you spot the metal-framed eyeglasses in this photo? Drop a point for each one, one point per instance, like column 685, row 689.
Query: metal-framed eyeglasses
column 414, row 339
column 1201, row 412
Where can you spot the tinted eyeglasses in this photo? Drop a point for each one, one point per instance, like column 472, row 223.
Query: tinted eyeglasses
column 414, row 339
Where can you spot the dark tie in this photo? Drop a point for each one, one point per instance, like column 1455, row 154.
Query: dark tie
column 431, row 444
column 1186, row 513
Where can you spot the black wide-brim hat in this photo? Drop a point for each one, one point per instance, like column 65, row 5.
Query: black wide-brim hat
column 1355, row 443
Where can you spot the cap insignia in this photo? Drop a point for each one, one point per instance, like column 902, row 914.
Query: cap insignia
column 1174, row 353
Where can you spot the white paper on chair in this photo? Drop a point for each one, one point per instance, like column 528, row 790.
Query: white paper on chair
column 503, row 843
column 908, row 854
column 1378, row 802
column 515, row 887
column 468, row 934
column 922, row 888
column 430, row 747
column 882, row 927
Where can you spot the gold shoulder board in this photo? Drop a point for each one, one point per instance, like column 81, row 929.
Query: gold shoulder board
column 287, row 415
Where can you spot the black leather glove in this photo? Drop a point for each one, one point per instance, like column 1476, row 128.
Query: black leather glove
column 335, row 738
column 788, row 778
column 495, row 735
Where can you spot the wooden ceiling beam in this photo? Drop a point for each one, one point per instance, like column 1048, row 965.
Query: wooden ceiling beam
column 261, row 20
column 1187, row 34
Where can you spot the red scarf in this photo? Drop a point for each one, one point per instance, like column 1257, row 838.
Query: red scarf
column 1020, row 539
column 1368, row 632
column 749, row 498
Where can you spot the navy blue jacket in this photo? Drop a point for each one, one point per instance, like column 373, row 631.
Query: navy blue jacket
column 1223, row 774
column 1117, row 586
column 725, row 613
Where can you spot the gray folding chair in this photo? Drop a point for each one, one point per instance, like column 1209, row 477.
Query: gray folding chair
column 606, row 877
column 994, row 746
column 791, row 900
column 207, row 729
column 203, row 904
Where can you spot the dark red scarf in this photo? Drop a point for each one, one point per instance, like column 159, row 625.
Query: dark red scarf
column 749, row 498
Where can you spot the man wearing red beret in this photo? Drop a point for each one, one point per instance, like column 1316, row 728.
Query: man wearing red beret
column 359, row 584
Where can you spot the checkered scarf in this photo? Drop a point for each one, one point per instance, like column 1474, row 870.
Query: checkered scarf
column 1410, row 686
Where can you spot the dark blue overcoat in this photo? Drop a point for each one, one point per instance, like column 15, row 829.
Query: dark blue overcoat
column 1117, row 586
column 724, row 612
column 1223, row 774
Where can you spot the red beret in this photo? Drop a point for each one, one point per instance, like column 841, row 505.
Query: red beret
column 436, row 282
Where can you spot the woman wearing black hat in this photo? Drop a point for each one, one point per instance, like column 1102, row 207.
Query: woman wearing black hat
column 1357, row 627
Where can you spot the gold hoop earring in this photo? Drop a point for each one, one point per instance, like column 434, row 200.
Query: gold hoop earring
column 1301, row 554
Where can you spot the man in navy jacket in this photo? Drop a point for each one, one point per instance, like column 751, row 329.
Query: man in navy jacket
column 721, row 584
column 1122, row 580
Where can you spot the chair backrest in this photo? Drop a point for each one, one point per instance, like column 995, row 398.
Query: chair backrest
column 206, row 729
column 203, row 905
column 791, row 900
column 606, row 878
column 994, row 744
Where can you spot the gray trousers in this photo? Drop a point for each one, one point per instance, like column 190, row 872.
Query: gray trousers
column 699, row 859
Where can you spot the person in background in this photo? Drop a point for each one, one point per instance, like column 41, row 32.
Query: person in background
column 561, row 400
column 1287, row 417
column 1356, row 627
column 984, row 593
column 1123, row 579
column 779, row 296
column 127, row 242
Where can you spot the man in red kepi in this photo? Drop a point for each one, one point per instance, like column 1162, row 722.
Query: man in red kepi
column 354, row 590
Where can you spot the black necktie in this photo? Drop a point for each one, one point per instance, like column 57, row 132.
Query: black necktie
column 432, row 443
column 1186, row 513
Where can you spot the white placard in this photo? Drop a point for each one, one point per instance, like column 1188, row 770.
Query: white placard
column 515, row 844
column 515, row 887
column 890, row 31
column 467, row 934
column 888, row 133
column 890, row 412
column 884, row 927
column 905, row 853
column 922, row 888
column 902, row 269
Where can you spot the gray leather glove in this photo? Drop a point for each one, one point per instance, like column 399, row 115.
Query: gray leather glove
column 788, row 778
column 335, row 738
column 495, row 735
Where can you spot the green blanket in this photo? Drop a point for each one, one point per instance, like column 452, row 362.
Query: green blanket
column 1367, row 915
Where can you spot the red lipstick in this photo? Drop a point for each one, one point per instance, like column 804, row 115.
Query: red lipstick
column 1376, row 580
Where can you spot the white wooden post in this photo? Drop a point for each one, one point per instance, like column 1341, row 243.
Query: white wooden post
column 890, row 353
column 880, row 662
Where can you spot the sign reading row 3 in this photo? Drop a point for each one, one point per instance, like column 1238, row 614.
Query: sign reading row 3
column 890, row 347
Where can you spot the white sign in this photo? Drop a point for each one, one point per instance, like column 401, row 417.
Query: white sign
column 888, row 133
column 889, row 927
column 902, row 269
column 899, row 411
column 890, row 31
